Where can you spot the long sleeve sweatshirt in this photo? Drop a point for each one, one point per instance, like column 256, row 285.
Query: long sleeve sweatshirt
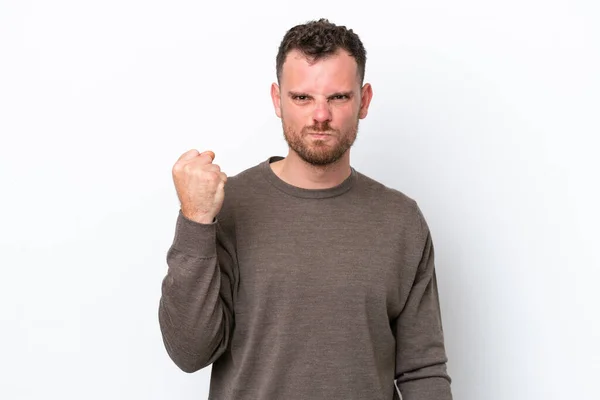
column 299, row 294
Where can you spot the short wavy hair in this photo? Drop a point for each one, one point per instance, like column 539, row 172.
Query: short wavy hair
column 319, row 39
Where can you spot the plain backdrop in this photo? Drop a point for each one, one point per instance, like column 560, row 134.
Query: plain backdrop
column 485, row 112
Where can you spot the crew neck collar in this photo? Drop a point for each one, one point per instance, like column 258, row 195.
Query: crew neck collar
column 296, row 191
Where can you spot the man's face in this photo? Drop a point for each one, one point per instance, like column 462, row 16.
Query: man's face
column 320, row 98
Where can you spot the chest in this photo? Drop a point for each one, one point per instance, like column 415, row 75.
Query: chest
column 341, row 265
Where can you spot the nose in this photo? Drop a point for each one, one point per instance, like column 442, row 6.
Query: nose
column 322, row 112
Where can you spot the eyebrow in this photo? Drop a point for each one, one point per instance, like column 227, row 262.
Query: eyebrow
column 347, row 93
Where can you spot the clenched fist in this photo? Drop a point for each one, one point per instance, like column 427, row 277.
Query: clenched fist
column 200, row 185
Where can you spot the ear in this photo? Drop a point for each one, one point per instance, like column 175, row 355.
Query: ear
column 365, row 100
column 276, row 97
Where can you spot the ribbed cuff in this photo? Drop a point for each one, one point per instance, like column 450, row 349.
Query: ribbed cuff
column 435, row 388
column 195, row 238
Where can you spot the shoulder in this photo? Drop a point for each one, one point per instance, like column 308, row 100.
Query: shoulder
column 239, row 187
column 396, row 204
column 385, row 195
column 246, row 178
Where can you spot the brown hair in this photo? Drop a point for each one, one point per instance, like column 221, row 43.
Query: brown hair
column 319, row 39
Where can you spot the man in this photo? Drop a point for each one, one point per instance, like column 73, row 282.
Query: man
column 301, row 278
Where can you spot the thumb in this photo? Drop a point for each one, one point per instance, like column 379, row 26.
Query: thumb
column 209, row 153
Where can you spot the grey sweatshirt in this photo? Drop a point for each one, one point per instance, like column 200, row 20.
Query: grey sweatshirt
column 303, row 294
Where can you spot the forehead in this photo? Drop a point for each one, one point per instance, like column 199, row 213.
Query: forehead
column 334, row 72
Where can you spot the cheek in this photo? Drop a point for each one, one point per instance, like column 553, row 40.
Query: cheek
column 346, row 115
column 295, row 117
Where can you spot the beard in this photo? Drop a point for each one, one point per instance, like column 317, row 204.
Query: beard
column 320, row 152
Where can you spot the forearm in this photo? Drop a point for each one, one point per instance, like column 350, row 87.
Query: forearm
column 194, row 314
column 421, row 355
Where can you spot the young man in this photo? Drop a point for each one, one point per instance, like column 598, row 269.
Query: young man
column 301, row 278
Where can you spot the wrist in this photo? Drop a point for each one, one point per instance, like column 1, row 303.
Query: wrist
column 199, row 218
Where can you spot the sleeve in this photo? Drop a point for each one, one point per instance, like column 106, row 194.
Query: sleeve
column 196, row 304
column 421, row 372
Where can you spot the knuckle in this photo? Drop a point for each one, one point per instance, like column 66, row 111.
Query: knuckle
column 209, row 167
column 187, row 168
column 209, row 176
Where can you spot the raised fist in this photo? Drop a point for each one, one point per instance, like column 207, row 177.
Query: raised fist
column 200, row 185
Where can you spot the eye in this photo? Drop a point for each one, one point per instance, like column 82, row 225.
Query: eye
column 300, row 97
column 340, row 97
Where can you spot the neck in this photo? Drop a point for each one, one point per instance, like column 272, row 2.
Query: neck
column 297, row 172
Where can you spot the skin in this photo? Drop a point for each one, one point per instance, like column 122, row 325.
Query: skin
column 325, row 97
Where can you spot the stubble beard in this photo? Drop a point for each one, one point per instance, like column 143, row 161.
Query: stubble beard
column 320, row 152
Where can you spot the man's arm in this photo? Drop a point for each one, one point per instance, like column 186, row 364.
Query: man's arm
column 420, row 352
column 196, row 306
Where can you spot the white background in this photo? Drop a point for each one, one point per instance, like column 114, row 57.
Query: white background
column 486, row 113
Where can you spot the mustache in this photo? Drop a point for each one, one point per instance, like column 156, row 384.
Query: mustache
column 319, row 128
